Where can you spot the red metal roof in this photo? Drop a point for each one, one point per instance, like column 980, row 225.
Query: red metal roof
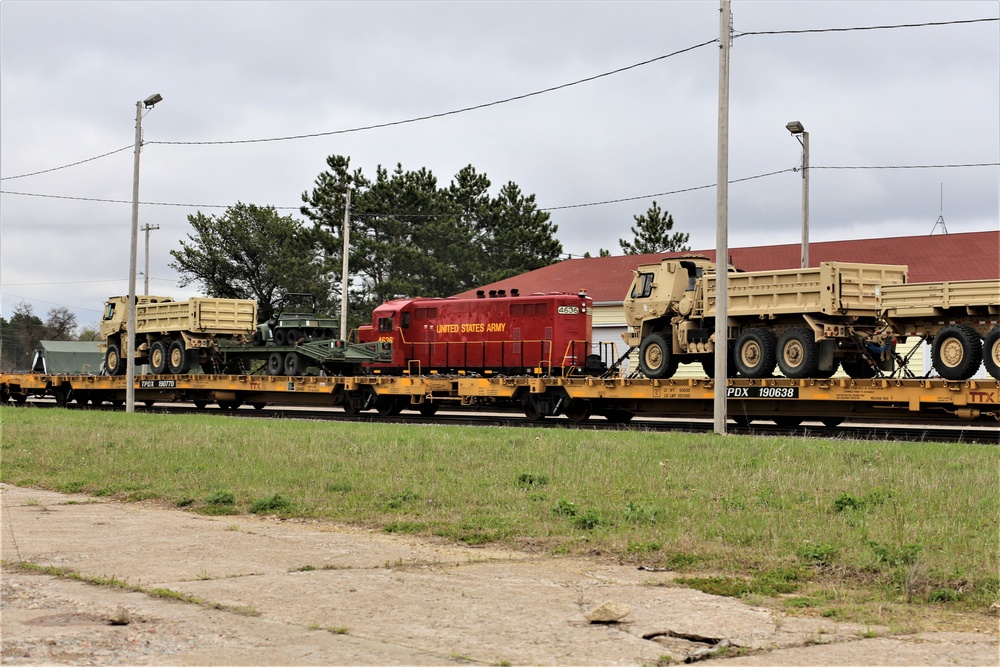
column 968, row 256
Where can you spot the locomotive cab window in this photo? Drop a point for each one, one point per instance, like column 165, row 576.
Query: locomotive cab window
column 643, row 286
column 405, row 321
column 385, row 324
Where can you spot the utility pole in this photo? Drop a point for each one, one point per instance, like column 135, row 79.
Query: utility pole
column 345, row 279
column 148, row 103
column 722, row 226
column 147, row 229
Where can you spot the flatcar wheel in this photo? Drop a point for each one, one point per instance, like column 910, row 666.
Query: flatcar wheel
column 532, row 411
column 831, row 422
column 579, row 410
column 201, row 405
column 798, row 353
column 258, row 406
column 158, row 358
column 177, row 358
column 742, row 420
column 788, row 422
column 957, row 352
column 350, row 406
column 427, row 409
column 389, row 406
column 991, row 353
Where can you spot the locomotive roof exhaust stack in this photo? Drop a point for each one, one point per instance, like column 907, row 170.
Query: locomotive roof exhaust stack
column 480, row 294
column 515, row 292
column 501, row 293
column 493, row 294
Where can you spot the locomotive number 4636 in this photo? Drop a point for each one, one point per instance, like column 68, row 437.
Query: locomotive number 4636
column 568, row 310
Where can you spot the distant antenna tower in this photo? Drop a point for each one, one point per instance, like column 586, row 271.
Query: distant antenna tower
column 940, row 220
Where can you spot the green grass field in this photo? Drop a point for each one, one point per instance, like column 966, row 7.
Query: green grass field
column 868, row 531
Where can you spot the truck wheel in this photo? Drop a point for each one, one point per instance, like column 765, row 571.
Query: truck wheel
column 991, row 353
column 158, row 358
column 798, row 353
column 275, row 364
column 177, row 358
column 755, row 356
column 292, row 336
column 113, row 362
column 294, row 364
column 656, row 357
column 957, row 352
column 278, row 335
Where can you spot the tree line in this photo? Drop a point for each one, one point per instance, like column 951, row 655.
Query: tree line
column 409, row 235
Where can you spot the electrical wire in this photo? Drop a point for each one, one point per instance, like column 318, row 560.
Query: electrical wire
column 860, row 28
column 549, row 208
column 67, row 166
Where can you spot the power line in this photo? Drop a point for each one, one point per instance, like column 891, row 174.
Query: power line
column 444, row 113
column 859, row 28
column 551, row 208
column 66, row 166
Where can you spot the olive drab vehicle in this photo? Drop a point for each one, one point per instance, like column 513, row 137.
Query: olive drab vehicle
column 295, row 320
column 807, row 322
column 172, row 336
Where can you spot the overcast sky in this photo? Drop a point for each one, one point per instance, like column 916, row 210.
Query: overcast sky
column 71, row 73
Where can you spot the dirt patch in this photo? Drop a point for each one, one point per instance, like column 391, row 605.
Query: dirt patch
column 188, row 589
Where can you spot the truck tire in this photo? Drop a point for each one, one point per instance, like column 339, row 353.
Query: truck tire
column 656, row 357
column 991, row 353
column 279, row 337
column 755, row 355
column 275, row 364
column 177, row 358
column 158, row 358
column 798, row 353
column 294, row 364
column 113, row 362
column 957, row 352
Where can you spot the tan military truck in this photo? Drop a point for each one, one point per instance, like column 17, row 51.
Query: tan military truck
column 954, row 317
column 171, row 335
column 805, row 321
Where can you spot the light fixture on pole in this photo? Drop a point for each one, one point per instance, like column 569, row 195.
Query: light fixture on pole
column 799, row 132
column 148, row 103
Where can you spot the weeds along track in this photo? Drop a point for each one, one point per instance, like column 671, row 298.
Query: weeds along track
column 867, row 431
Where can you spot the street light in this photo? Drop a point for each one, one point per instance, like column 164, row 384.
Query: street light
column 799, row 132
column 148, row 103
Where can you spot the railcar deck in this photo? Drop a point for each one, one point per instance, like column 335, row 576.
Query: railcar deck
column 901, row 400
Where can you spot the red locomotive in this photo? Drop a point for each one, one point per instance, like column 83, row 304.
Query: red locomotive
column 498, row 333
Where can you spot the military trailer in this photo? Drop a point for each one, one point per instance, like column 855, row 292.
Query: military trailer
column 954, row 317
column 171, row 336
column 807, row 321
